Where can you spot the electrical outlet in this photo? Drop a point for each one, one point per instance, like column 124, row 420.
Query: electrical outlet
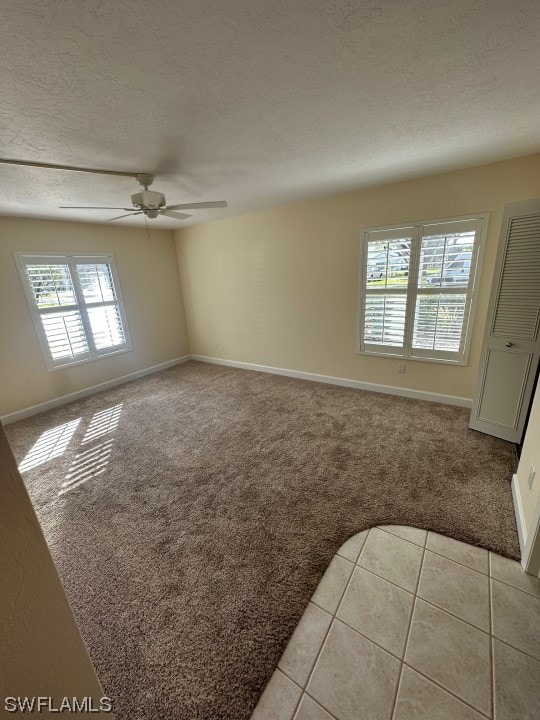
column 401, row 367
column 216, row 345
column 99, row 367
column 532, row 473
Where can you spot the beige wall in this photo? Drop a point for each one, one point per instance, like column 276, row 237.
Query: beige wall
column 280, row 287
column 150, row 284
column 530, row 455
column 41, row 652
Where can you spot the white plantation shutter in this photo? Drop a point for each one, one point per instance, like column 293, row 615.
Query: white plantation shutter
column 102, row 306
column 417, row 289
column 54, row 295
column 388, row 257
column 65, row 335
column 106, row 325
column 96, row 282
column 438, row 322
column 385, row 319
column 75, row 305
column 51, row 285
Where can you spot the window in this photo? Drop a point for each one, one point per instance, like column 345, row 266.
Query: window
column 418, row 289
column 76, row 306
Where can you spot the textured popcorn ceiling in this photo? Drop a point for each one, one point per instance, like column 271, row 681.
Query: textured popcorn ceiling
column 258, row 102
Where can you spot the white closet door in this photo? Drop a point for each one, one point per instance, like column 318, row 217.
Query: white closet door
column 511, row 349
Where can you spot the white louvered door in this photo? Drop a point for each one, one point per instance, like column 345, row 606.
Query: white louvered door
column 511, row 349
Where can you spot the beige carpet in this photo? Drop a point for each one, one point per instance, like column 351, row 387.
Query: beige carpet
column 204, row 503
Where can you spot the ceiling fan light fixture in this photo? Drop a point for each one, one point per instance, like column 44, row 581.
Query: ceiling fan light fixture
column 148, row 199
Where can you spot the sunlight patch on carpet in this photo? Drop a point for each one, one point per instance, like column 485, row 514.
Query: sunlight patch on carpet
column 50, row 444
column 87, row 465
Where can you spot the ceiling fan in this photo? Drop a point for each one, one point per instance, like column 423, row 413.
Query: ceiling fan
column 147, row 202
column 151, row 204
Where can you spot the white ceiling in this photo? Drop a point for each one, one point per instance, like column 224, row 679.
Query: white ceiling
column 257, row 102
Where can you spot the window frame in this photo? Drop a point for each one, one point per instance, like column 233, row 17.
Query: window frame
column 417, row 231
column 23, row 259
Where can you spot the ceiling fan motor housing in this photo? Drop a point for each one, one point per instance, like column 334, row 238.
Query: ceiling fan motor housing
column 148, row 199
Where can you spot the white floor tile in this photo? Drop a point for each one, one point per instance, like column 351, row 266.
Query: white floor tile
column 351, row 548
column 452, row 653
column 517, row 684
column 511, row 573
column 420, row 699
column 279, row 699
column 353, row 676
column 516, row 618
column 300, row 654
column 449, row 653
column 378, row 609
column 310, row 710
column 392, row 558
column 469, row 555
column 455, row 588
column 330, row 590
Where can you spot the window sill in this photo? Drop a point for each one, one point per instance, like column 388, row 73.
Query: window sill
column 413, row 358
column 84, row 361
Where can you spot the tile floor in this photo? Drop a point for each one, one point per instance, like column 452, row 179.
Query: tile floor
column 411, row 625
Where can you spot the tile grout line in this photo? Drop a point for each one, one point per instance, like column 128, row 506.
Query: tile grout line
column 355, row 565
column 456, row 562
column 297, row 704
column 318, row 702
column 525, row 592
column 295, row 711
column 294, row 682
column 372, row 572
column 457, row 617
column 415, row 595
column 492, row 628
column 314, row 602
column 404, row 663
column 505, row 642
column 485, row 574
column 447, row 691
column 302, row 693
column 475, row 627
column 402, row 538
column 370, row 640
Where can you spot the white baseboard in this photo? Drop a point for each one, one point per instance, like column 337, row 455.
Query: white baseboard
column 520, row 518
column 345, row 382
column 329, row 379
column 64, row 399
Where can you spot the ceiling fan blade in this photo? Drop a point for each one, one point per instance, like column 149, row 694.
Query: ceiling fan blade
column 93, row 207
column 194, row 206
column 127, row 215
column 173, row 214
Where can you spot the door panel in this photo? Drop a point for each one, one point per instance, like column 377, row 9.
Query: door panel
column 501, row 394
column 511, row 349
